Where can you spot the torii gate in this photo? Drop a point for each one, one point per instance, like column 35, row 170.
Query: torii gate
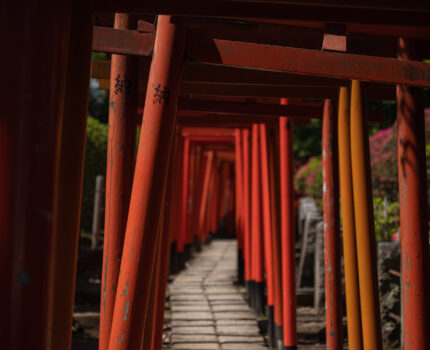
column 47, row 73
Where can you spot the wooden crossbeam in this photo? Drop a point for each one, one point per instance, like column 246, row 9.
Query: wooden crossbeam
column 273, row 10
column 373, row 91
column 186, row 105
column 202, row 73
column 128, row 42
column 205, row 131
column 310, row 62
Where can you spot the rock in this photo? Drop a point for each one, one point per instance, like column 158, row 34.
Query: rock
column 389, row 292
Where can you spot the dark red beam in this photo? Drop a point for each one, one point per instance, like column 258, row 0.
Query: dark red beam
column 211, row 131
column 309, row 62
column 271, row 10
column 119, row 41
column 188, row 104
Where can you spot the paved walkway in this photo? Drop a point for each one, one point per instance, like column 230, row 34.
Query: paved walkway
column 208, row 311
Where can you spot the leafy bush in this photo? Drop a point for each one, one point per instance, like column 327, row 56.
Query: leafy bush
column 387, row 218
column 384, row 169
column 95, row 164
column 308, row 180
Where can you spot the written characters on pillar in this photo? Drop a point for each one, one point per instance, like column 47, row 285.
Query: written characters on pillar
column 122, row 85
column 161, row 94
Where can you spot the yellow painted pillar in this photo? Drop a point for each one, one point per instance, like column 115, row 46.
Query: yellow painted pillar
column 348, row 224
column 364, row 225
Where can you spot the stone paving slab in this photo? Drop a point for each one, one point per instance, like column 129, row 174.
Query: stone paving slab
column 208, row 311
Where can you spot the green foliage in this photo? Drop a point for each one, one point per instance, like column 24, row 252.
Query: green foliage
column 95, row 164
column 386, row 218
column 307, row 139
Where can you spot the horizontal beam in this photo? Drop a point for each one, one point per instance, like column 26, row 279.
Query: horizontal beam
column 309, row 62
column 186, row 105
column 374, row 91
column 118, row 41
column 206, row 131
column 204, row 73
column 269, row 10
column 234, row 120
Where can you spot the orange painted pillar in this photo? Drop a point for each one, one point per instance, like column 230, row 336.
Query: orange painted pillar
column 195, row 194
column 34, row 44
column 168, row 227
column 238, row 203
column 159, row 117
column 287, row 231
column 148, row 335
column 119, row 173
column 273, row 154
column 182, row 235
column 332, row 268
column 190, row 203
column 256, row 226
column 174, row 222
column 267, row 228
column 205, row 195
column 71, row 173
column 246, row 208
column 355, row 341
column 413, row 207
column 364, row 225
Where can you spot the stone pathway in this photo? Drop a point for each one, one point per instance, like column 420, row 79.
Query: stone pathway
column 208, row 312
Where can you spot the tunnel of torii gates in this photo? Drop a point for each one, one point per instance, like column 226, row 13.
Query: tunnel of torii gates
column 219, row 84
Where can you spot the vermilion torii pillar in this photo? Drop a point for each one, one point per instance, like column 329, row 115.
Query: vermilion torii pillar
column 246, row 207
column 182, row 234
column 287, row 231
column 71, row 173
column 239, row 203
column 333, row 293
column 35, row 37
column 267, row 229
column 155, row 143
column 119, row 173
column 273, row 153
column 257, row 275
column 413, row 208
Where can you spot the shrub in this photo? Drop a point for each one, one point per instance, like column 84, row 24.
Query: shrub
column 308, row 180
column 95, row 164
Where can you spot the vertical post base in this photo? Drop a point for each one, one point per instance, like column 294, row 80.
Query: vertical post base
column 188, row 251
column 248, row 291
column 240, row 268
column 181, row 260
column 197, row 244
column 174, row 259
column 270, row 324
column 259, row 297
column 278, row 343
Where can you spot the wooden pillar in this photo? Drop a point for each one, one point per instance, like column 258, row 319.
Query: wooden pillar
column 34, row 45
column 287, row 232
column 364, row 226
column 413, row 207
column 158, row 126
column 71, row 172
column 119, row 173
column 333, row 293
column 246, row 207
column 256, row 232
column 352, row 292
column 267, row 229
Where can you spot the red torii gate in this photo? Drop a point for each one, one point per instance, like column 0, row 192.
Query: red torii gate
column 36, row 183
